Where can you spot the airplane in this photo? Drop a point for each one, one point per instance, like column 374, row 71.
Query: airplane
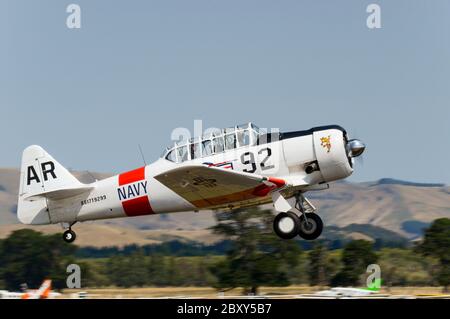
column 44, row 292
column 236, row 167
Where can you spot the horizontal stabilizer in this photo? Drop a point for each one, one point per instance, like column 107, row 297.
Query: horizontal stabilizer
column 60, row 193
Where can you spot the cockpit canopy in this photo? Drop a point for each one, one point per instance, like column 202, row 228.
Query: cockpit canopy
column 214, row 143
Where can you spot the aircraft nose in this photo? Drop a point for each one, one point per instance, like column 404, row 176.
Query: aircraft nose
column 355, row 148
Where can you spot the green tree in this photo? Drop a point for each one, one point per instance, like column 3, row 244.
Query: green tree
column 356, row 256
column 94, row 273
column 317, row 267
column 129, row 271
column 117, row 271
column 174, row 276
column 27, row 256
column 257, row 257
column 436, row 243
column 157, row 270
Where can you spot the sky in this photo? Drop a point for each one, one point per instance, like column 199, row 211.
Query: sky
column 136, row 70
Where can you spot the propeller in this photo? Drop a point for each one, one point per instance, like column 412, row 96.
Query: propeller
column 355, row 148
column 360, row 160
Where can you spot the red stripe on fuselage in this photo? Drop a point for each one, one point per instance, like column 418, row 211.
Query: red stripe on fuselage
column 136, row 206
column 135, row 175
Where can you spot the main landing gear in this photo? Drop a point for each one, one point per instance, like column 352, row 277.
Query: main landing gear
column 308, row 225
column 68, row 235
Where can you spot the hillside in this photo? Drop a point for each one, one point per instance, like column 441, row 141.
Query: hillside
column 398, row 206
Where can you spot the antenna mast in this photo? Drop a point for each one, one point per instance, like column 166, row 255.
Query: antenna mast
column 142, row 154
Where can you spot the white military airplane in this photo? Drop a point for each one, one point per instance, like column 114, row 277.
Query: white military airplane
column 237, row 167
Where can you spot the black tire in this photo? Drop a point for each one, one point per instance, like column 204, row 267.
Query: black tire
column 286, row 225
column 312, row 229
column 69, row 236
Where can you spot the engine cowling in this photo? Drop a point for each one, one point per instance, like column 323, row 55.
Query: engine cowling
column 331, row 154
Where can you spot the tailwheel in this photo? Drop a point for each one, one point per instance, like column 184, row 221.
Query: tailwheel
column 286, row 225
column 310, row 226
column 69, row 236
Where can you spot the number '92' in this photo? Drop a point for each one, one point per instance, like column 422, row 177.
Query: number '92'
column 246, row 308
column 249, row 158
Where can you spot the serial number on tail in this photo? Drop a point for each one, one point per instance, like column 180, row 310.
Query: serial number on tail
column 93, row 200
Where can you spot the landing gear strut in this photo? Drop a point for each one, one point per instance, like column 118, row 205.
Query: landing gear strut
column 308, row 225
column 69, row 235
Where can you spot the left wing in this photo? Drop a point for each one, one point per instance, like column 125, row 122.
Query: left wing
column 206, row 187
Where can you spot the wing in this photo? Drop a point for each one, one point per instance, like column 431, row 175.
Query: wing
column 207, row 187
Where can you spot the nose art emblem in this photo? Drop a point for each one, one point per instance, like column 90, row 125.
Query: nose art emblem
column 326, row 143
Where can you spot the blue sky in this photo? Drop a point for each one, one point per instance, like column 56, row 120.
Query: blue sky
column 138, row 69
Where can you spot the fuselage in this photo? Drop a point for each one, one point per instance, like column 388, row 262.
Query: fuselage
column 301, row 158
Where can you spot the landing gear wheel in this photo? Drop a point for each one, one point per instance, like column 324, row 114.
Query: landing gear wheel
column 286, row 225
column 69, row 236
column 310, row 226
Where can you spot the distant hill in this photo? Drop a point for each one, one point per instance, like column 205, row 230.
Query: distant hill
column 98, row 235
column 392, row 181
column 383, row 209
column 334, row 238
column 388, row 205
column 376, row 234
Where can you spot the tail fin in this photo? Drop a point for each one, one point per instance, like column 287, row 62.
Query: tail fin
column 44, row 291
column 43, row 178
